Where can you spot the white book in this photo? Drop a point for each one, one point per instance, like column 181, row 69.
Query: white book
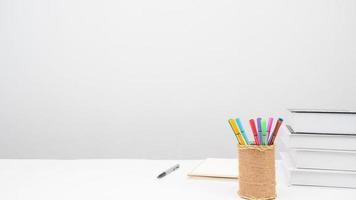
column 216, row 168
column 323, row 159
column 322, row 121
column 315, row 177
column 316, row 141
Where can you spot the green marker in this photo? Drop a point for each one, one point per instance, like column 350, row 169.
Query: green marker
column 264, row 138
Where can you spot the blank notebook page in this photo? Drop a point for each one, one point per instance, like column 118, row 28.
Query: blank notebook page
column 216, row 167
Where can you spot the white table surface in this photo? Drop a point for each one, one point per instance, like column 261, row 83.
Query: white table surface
column 129, row 179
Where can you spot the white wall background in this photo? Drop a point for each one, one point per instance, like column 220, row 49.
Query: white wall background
column 158, row 78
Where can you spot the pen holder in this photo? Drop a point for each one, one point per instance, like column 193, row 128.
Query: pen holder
column 257, row 172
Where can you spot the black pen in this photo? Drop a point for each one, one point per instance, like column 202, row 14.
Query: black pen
column 168, row 171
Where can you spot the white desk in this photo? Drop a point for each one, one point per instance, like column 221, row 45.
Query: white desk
column 118, row 179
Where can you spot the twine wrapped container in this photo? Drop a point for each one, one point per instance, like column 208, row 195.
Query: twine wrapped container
column 257, row 172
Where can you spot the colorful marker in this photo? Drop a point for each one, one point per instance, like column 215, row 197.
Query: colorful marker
column 264, row 137
column 237, row 138
column 242, row 130
column 269, row 126
column 236, row 131
column 254, row 131
column 275, row 131
column 259, row 128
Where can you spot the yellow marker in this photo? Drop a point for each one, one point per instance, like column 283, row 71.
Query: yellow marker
column 237, row 132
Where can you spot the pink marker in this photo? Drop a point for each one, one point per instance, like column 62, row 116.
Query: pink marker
column 269, row 126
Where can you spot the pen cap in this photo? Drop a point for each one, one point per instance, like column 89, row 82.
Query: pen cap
column 257, row 172
column 275, row 131
column 259, row 126
column 263, row 125
column 240, row 125
column 253, row 126
column 270, row 122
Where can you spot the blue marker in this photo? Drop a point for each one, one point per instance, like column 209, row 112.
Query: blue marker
column 242, row 130
column 259, row 129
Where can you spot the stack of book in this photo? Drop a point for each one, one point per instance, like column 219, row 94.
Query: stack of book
column 320, row 148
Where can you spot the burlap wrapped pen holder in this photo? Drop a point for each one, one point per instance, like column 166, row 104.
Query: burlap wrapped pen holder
column 257, row 172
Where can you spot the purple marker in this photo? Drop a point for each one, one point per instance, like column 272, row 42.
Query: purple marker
column 259, row 129
column 269, row 126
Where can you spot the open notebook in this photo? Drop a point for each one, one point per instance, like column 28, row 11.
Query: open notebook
column 216, row 168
